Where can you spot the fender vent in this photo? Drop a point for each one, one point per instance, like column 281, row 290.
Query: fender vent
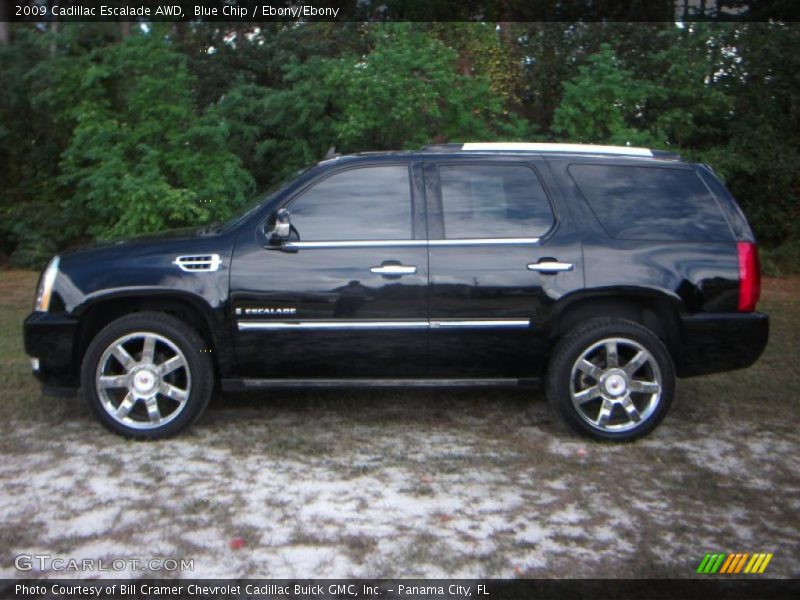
column 199, row 262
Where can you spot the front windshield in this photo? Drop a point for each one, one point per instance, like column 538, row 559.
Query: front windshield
column 256, row 202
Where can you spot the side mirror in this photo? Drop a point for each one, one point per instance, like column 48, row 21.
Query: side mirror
column 280, row 226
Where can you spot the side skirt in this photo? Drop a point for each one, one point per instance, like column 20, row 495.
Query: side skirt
column 240, row 385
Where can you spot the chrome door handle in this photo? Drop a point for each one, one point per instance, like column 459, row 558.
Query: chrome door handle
column 550, row 266
column 394, row 270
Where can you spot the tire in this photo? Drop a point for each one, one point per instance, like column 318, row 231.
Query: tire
column 611, row 399
column 144, row 376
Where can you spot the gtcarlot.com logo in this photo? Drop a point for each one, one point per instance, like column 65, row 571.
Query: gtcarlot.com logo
column 734, row 563
column 48, row 562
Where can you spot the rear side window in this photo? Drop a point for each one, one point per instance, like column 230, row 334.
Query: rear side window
column 493, row 201
column 648, row 203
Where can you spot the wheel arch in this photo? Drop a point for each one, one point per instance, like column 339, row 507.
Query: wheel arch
column 657, row 311
column 101, row 311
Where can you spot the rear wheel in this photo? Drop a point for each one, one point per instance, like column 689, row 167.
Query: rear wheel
column 611, row 379
column 145, row 377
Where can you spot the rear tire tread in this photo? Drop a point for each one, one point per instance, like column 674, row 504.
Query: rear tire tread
column 570, row 345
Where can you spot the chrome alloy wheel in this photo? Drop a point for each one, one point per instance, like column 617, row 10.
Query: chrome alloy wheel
column 615, row 384
column 143, row 380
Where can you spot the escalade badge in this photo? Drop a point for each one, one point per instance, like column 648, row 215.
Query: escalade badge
column 267, row 311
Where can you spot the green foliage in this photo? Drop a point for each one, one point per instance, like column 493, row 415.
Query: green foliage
column 278, row 130
column 105, row 134
column 140, row 158
column 403, row 91
column 408, row 88
column 685, row 107
column 30, row 144
column 600, row 104
column 761, row 151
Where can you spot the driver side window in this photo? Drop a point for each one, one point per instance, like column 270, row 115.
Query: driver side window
column 367, row 203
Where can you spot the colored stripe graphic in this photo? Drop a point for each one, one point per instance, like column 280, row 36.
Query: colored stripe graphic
column 703, row 563
column 741, row 562
column 734, row 563
column 758, row 563
column 711, row 563
column 723, row 563
column 729, row 563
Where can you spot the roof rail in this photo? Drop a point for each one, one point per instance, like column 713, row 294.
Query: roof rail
column 442, row 148
column 547, row 147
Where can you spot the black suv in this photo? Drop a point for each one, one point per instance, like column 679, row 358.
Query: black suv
column 602, row 272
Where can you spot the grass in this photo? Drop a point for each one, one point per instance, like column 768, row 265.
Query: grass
column 781, row 261
column 414, row 483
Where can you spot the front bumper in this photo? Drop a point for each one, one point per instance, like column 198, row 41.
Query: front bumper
column 713, row 343
column 50, row 342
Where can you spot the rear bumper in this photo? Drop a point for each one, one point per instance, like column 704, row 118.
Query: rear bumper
column 49, row 340
column 712, row 343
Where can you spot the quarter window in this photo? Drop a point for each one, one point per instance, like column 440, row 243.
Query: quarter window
column 369, row 203
column 649, row 203
column 493, row 201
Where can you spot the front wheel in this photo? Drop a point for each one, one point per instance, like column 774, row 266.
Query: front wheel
column 145, row 377
column 611, row 379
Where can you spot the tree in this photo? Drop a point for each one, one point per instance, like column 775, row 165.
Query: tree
column 140, row 158
column 407, row 91
column 602, row 102
column 760, row 154
column 102, row 137
column 30, row 146
column 404, row 90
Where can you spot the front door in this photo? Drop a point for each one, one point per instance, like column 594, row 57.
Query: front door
column 346, row 297
column 501, row 254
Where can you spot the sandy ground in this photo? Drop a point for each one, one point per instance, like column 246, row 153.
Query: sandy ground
column 460, row 486
column 413, row 484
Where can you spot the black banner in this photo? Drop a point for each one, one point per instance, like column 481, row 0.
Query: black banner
column 395, row 589
column 399, row 10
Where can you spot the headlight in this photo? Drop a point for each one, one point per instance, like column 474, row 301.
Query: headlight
column 46, row 286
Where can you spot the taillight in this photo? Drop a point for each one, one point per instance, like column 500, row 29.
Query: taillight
column 749, row 276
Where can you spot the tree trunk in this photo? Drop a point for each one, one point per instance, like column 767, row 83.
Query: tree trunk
column 179, row 30
column 54, row 32
column 5, row 38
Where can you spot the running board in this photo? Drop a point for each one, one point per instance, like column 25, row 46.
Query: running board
column 238, row 385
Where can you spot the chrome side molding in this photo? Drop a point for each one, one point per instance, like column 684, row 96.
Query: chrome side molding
column 363, row 324
column 486, row 242
column 356, row 244
column 414, row 243
column 320, row 325
column 482, row 323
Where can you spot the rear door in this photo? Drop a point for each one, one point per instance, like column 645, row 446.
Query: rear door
column 345, row 298
column 502, row 252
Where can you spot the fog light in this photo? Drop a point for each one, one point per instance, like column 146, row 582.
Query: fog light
column 35, row 364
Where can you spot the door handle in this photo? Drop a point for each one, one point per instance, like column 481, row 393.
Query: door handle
column 395, row 270
column 550, row 266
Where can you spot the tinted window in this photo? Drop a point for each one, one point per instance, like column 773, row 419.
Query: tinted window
column 371, row 203
column 493, row 201
column 651, row 203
